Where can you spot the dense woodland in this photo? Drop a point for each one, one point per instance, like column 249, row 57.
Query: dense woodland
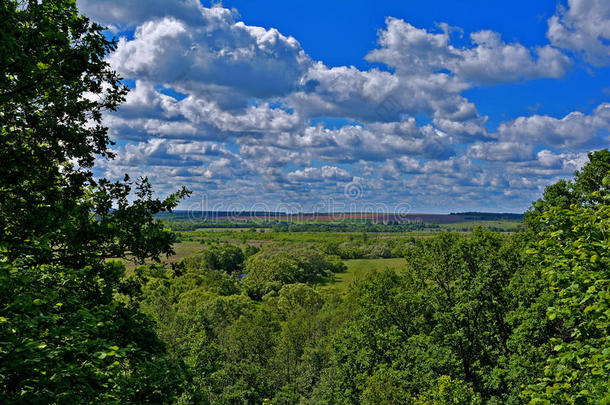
column 480, row 317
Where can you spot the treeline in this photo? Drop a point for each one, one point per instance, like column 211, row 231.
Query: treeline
column 488, row 216
column 356, row 246
column 494, row 228
column 312, row 226
column 181, row 225
column 353, row 226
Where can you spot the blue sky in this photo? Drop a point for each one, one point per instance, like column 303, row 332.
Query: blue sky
column 420, row 106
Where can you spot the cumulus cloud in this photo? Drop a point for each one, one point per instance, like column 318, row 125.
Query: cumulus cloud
column 167, row 161
column 574, row 130
column 148, row 112
column 377, row 95
column 166, row 152
column 319, row 174
column 547, row 165
column 244, row 113
column 412, row 50
column 501, row 151
column 375, row 142
column 470, row 129
column 269, row 158
column 493, row 61
column 584, row 28
column 123, row 14
column 217, row 58
column 415, row 51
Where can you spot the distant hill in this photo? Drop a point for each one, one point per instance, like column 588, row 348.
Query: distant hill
column 488, row 216
column 375, row 217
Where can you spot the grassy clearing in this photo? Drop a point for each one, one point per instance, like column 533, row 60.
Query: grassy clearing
column 358, row 269
column 182, row 249
column 185, row 249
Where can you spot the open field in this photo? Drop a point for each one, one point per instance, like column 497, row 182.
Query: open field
column 182, row 249
column 193, row 241
column 359, row 269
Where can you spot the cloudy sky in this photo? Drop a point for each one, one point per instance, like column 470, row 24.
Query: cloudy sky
column 418, row 105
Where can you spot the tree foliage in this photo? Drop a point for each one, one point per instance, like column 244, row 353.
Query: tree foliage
column 268, row 271
column 66, row 338
column 572, row 248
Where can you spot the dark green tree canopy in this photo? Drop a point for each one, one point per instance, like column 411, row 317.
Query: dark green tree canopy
column 65, row 337
column 582, row 190
column 54, row 87
column 572, row 249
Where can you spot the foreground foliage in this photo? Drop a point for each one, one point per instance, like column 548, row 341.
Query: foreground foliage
column 64, row 335
column 573, row 249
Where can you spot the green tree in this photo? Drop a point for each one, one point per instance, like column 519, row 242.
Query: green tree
column 228, row 258
column 451, row 313
column 54, row 88
column 270, row 269
column 582, row 189
column 385, row 387
column 66, row 338
column 448, row 391
column 572, row 249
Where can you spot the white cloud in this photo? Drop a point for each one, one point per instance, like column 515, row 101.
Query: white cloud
column 574, row 130
column 583, row 27
column 269, row 157
column 414, row 51
column 121, row 13
column 470, row 130
column 411, row 50
column 375, row 142
column 547, row 167
column 147, row 112
column 243, row 113
column 501, row 151
column 567, row 162
column 494, row 61
column 377, row 95
column 319, row 174
column 217, row 58
column 170, row 152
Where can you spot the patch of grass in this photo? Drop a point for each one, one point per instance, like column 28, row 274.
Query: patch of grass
column 358, row 269
column 182, row 249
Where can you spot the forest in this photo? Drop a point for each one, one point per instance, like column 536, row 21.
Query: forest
column 91, row 310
